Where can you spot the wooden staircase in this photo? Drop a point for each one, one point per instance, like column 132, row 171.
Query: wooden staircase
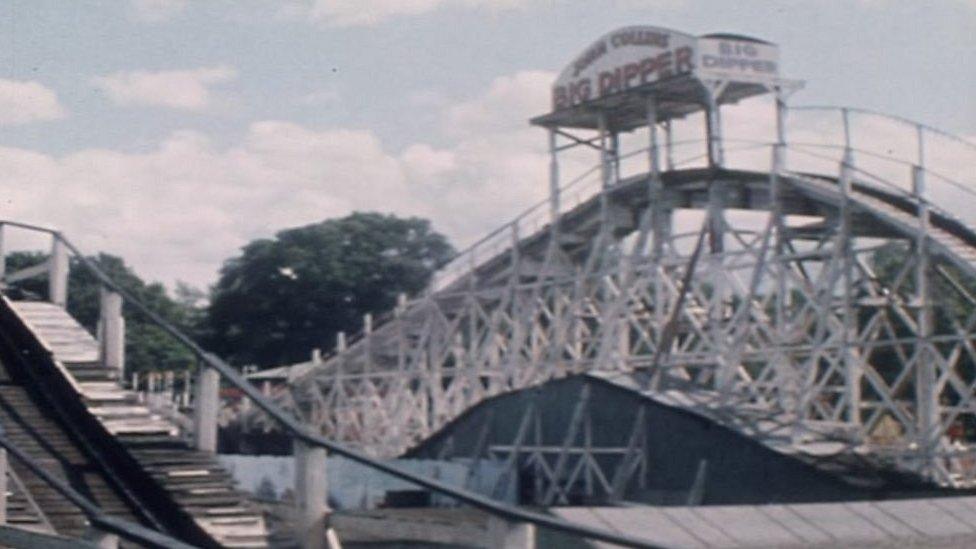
column 195, row 480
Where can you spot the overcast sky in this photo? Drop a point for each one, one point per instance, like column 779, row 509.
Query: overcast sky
column 172, row 132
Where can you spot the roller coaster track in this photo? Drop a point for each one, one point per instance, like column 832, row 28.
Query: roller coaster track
column 832, row 294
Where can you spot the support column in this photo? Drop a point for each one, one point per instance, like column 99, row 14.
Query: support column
column 790, row 381
column 660, row 214
column 852, row 366
column 205, row 409
column 554, row 198
column 713, row 125
column 926, row 386
column 311, row 492
column 112, row 331
column 725, row 372
column 606, row 169
column 668, row 146
column 503, row 534
column 58, row 272
column 654, row 160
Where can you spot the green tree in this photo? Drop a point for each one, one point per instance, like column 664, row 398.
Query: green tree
column 295, row 292
column 147, row 347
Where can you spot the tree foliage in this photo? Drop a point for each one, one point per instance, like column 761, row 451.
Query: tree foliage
column 147, row 347
column 295, row 292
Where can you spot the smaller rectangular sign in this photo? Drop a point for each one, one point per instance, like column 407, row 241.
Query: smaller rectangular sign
column 737, row 60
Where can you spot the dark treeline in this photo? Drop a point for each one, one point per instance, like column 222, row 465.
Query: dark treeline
column 277, row 300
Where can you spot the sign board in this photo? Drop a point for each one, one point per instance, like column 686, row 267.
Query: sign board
column 623, row 59
column 736, row 59
column 632, row 57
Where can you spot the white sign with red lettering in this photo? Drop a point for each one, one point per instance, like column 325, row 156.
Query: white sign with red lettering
column 736, row 59
column 623, row 59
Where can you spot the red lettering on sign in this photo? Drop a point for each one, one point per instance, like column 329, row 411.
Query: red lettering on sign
column 647, row 67
column 608, row 83
column 631, row 71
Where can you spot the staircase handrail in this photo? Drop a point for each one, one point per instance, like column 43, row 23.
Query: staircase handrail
column 123, row 528
column 298, row 432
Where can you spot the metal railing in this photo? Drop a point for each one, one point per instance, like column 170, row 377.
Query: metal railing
column 298, row 432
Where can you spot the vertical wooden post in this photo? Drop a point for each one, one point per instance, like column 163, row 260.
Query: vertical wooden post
column 713, row 126
column 853, row 372
column 653, row 154
column 668, row 146
column 553, row 179
column 205, row 409
column 187, row 385
column 503, row 534
column 112, row 331
column 311, row 491
column 58, row 272
column 926, row 372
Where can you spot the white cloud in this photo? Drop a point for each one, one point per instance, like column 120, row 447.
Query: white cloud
column 177, row 89
column 27, row 101
column 157, row 10
column 348, row 13
column 178, row 211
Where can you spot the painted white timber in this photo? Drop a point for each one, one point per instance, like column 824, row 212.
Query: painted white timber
column 67, row 340
column 58, row 273
column 310, row 496
column 205, row 410
column 119, row 411
column 112, row 332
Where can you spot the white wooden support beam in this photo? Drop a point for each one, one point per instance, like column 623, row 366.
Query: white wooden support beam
column 713, row 123
column 726, row 366
column 853, row 372
column 311, row 491
column 205, row 409
column 503, row 534
column 58, row 272
column 652, row 149
column 668, row 146
column 112, row 331
column 553, row 180
column 605, row 165
column 187, row 385
column 926, row 386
